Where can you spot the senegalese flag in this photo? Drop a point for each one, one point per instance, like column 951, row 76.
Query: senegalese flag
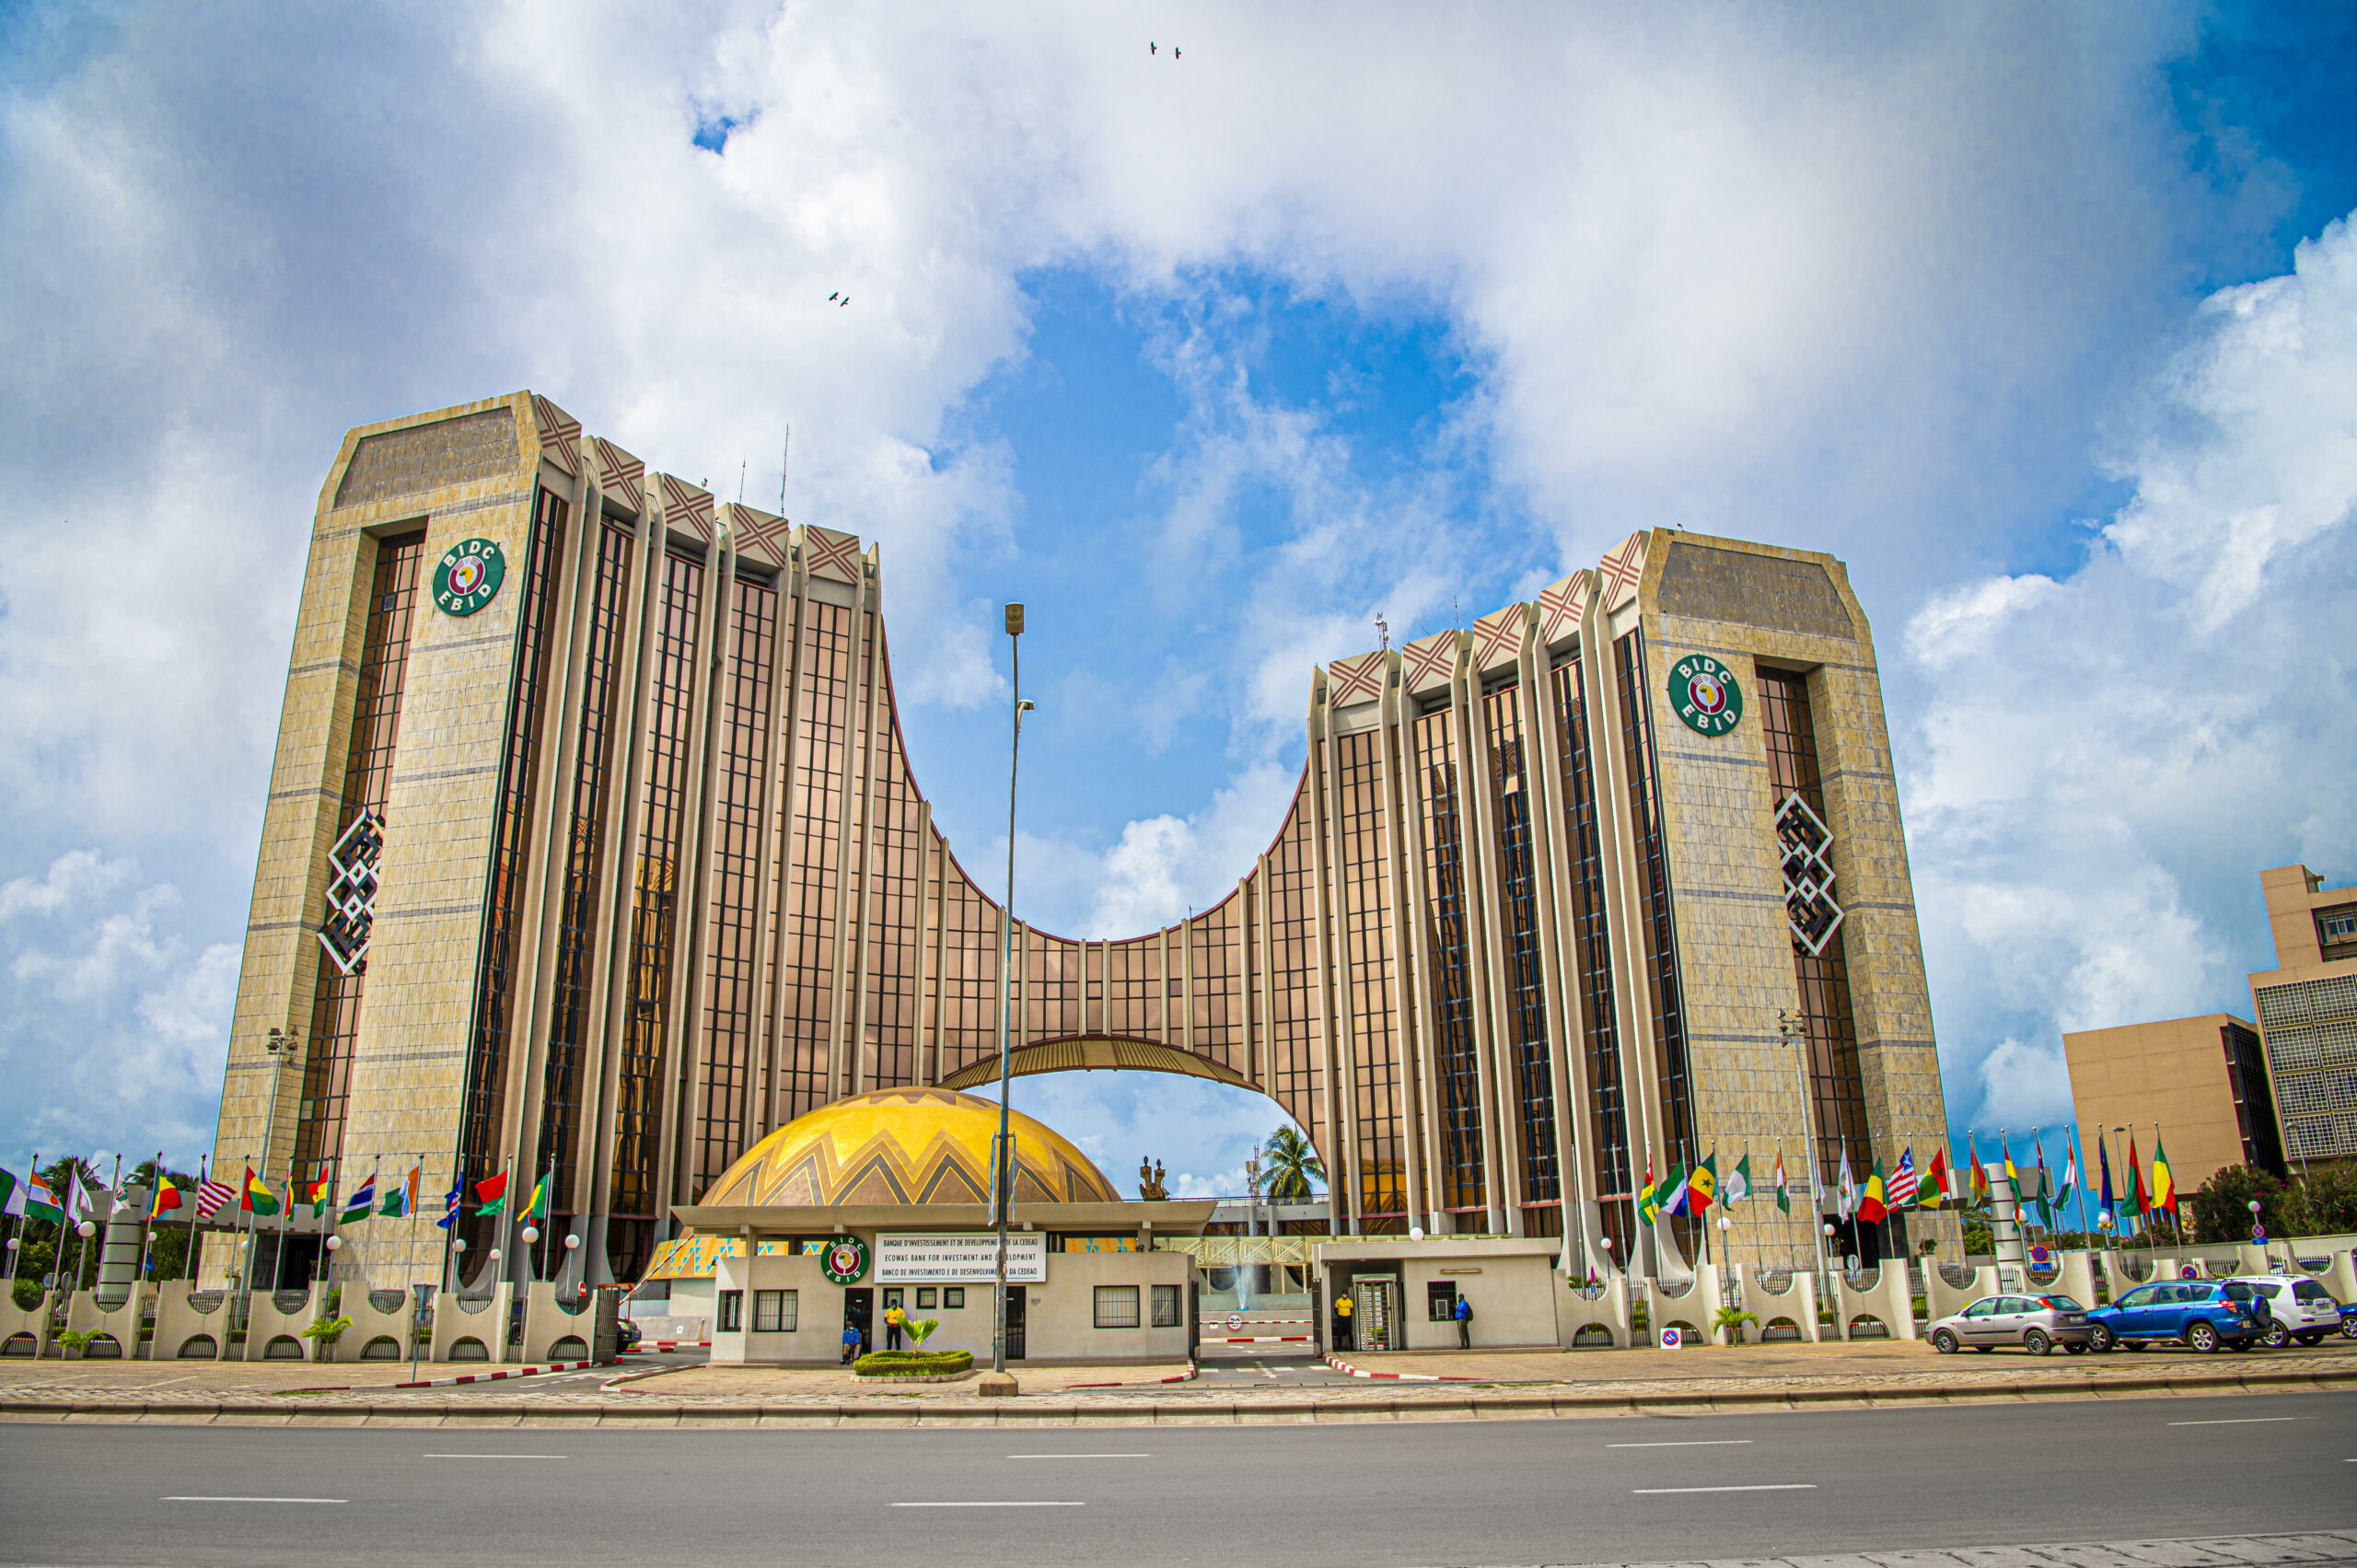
column 537, row 1209
column 400, row 1199
column 1702, row 1187
column 1783, row 1191
column 1936, row 1188
column 1649, row 1196
column 2164, row 1183
column 259, row 1198
column 1738, row 1183
column 167, row 1196
column 1870, row 1207
column 361, row 1204
column 491, row 1193
column 1901, row 1194
column 1673, row 1190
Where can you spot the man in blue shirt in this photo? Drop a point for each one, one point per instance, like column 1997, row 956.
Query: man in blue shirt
column 1464, row 1323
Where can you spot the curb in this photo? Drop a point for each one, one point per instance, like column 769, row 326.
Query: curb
column 1186, row 1376
column 1035, row 1412
column 644, row 1347
column 489, row 1376
column 1256, row 1339
column 1339, row 1365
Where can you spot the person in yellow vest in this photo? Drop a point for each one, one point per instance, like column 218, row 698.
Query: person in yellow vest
column 1342, row 1322
column 893, row 1318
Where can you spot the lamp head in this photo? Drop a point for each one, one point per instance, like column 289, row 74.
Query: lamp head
column 86, row 1230
column 571, row 1242
column 531, row 1234
column 335, row 1244
column 1015, row 621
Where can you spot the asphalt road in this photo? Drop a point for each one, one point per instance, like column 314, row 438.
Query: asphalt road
column 1627, row 1489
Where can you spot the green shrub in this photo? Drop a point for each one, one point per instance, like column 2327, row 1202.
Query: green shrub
column 26, row 1294
column 914, row 1363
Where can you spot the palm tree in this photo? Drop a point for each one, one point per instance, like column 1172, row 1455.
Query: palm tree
column 1292, row 1164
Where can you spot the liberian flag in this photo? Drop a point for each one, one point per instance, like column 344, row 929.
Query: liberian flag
column 211, row 1194
column 1902, row 1180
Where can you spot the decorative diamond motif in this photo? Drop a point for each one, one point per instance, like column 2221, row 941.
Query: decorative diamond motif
column 1431, row 661
column 1623, row 568
column 831, row 555
column 352, row 892
column 1808, row 876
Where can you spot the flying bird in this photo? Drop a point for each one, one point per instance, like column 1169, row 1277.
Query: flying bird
column 1174, row 51
column 846, row 300
column 1149, row 46
column 832, row 297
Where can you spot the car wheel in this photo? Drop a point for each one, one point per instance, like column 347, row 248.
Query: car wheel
column 2277, row 1336
column 2202, row 1336
column 2349, row 1327
column 2036, row 1343
column 2099, row 1338
column 1945, row 1342
column 2311, row 1337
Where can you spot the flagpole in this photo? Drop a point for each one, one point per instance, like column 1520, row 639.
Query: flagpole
column 147, row 1222
column 408, row 1263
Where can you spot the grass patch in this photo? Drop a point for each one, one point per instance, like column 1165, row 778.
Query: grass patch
column 914, row 1363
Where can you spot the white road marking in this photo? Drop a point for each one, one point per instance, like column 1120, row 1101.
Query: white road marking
column 990, row 1504
column 2239, row 1420
column 495, row 1456
column 1691, row 1442
column 1080, row 1455
column 255, row 1500
column 1781, row 1486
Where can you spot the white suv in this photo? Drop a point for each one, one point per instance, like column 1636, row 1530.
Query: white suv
column 2293, row 1309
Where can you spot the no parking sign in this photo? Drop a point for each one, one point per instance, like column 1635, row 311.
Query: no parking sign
column 1672, row 1338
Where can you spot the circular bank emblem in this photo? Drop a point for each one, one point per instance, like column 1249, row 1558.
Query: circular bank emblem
column 1706, row 696
column 469, row 575
column 844, row 1260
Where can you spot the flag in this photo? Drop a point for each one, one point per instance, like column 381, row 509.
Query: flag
column 492, row 1194
column 2013, row 1177
column 2136, row 1205
column 2103, row 1165
column 2045, row 1187
column 361, row 1204
column 1672, row 1191
column 1902, row 1182
column 40, row 1203
column 1870, row 1207
column 317, row 1195
column 211, row 1194
column 1739, row 1182
column 400, row 1199
column 12, row 1195
column 2164, row 1183
column 259, row 1198
column 167, row 1196
column 1648, row 1197
column 1979, row 1171
column 457, row 1195
column 2070, row 1173
column 1702, row 1185
column 537, row 1209
column 1935, row 1190
column 1845, row 1198
column 1783, row 1193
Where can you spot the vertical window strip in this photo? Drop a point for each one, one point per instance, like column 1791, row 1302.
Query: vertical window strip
column 1526, row 998
column 1297, row 1075
column 891, row 933
column 1657, row 918
column 1051, row 988
column 368, row 765
column 969, row 972
column 595, row 742
column 1592, row 963
column 1367, row 975
column 1837, row 1086
column 484, row 1108
column 1217, row 1007
column 806, row 996
column 1445, row 943
column 731, row 961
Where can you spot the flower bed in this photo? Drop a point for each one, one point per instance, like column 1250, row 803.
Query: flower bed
column 943, row 1363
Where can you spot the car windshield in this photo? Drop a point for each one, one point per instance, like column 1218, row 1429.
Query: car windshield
column 2062, row 1304
column 2309, row 1290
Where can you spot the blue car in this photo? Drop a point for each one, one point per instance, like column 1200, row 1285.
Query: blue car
column 2195, row 1313
column 2349, row 1319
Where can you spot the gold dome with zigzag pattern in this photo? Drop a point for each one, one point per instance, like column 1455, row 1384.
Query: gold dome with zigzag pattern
column 905, row 1147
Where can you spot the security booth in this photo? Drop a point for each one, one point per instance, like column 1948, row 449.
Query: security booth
column 1404, row 1290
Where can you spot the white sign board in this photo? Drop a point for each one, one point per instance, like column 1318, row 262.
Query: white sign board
column 960, row 1259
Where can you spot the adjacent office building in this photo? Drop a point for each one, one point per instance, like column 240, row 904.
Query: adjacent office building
column 593, row 847
column 2307, row 1012
column 2201, row 1081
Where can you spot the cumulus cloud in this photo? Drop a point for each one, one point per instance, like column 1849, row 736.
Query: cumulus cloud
column 2102, row 764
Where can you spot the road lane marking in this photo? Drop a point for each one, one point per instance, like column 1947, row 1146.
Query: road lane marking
column 255, row 1500
column 1689, row 1443
column 1778, row 1486
column 1080, row 1455
column 990, row 1504
column 495, row 1456
column 2239, row 1420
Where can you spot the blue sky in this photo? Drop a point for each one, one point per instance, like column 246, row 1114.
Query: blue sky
column 2044, row 319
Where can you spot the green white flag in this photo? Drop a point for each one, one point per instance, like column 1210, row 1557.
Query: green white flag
column 1737, row 1186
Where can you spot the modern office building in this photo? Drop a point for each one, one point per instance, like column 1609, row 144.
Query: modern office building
column 2307, row 1008
column 593, row 847
column 2201, row 1081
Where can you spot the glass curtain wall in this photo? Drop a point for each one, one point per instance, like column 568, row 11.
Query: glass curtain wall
column 1296, row 1073
column 805, row 992
column 1523, row 1014
column 1367, row 979
column 1447, row 942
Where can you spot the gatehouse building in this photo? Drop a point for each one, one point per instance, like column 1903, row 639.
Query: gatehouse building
column 593, row 847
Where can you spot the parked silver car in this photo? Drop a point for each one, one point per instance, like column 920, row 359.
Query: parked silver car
column 2036, row 1323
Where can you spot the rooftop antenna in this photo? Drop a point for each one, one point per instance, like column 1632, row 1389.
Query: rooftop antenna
column 783, row 448
column 741, row 481
column 1385, row 627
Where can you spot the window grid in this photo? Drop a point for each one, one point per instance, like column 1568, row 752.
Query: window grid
column 1295, row 1071
column 1367, row 978
column 1217, row 1005
column 569, row 1023
column 1526, row 998
column 1592, row 961
column 732, row 1311
column 891, row 933
column 1117, row 1306
column 1051, row 987
column 805, row 989
column 368, row 765
column 777, row 1311
column 968, row 1023
column 1133, row 987
column 1166, row 1307
column 484, row 1106
column 1445, row 943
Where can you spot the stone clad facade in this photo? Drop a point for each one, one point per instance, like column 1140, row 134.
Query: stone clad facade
column 656, row 877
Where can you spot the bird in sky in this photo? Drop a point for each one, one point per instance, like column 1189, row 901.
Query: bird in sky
column 1174, row 51
column 846, row 299
column 832, row 297
column 1149, row 46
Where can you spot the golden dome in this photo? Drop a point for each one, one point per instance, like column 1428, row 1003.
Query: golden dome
column 904, row 1147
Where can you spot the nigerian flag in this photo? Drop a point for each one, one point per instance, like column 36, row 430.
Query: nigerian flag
column 1737, row 1186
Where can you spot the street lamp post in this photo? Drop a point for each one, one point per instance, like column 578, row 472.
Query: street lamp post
column 1790, row 1027
column 1003, row 1157
column 281, row 1047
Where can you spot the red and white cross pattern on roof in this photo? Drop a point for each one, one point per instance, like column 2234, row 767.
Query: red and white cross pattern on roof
column 830, row 554
column 620, row 475
column 559, row 435
column 1430, row 661
column 686, row 508
column 1497, row 637
column 1559, row 608
column 1356, row 680
column 759, row 535
column 1624, row 566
